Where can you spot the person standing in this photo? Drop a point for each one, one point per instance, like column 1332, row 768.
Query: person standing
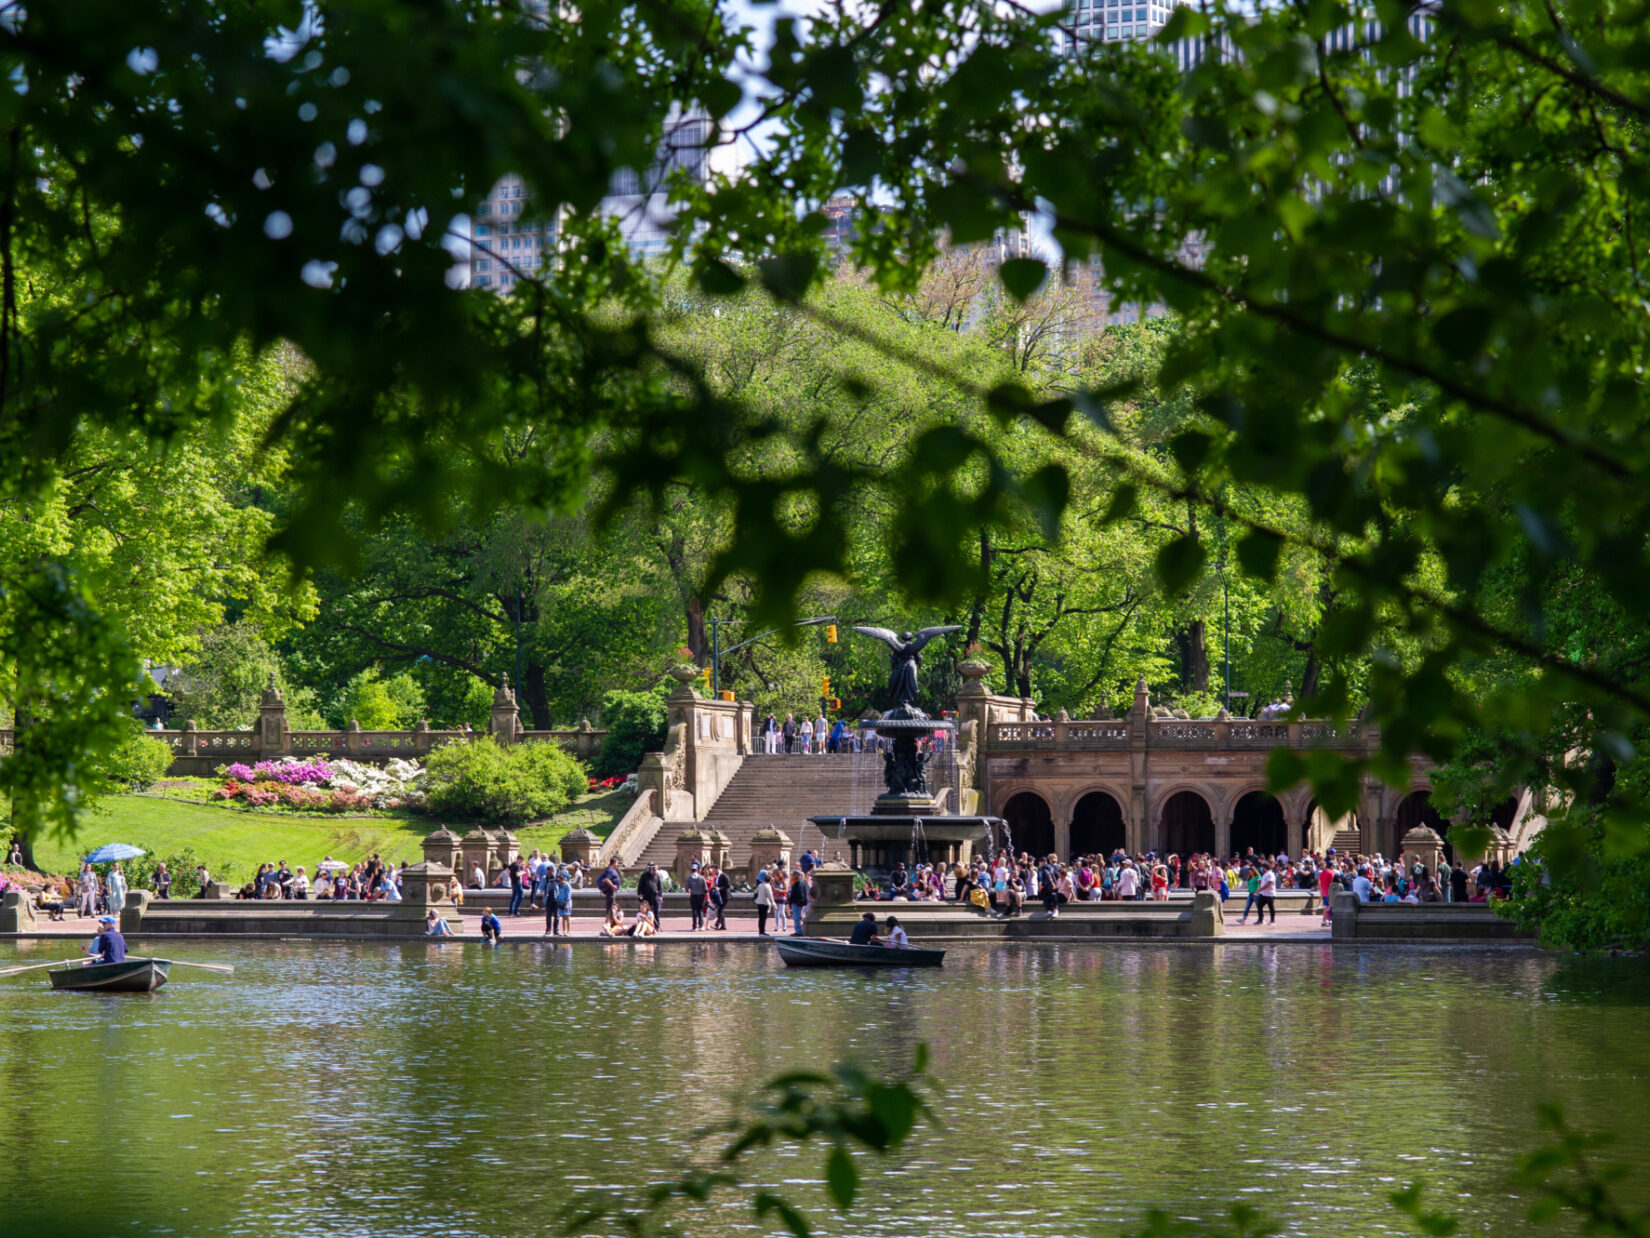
column 562, row 902
column 515, row 886
column 721, row 891
column 1326, row 893
column 698, row 891
column 770, row 735
column 204, row 878
column 797, row 899
column 821, row 730
column 781, row 888
column 117, row 890
column 163, row 882
column 805, row 732
column 788, row 732
column 86, row 891
column 608, row 883
column 765, row 902
column 650, row 891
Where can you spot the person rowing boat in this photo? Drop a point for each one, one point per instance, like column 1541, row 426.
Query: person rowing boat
column 108, row 946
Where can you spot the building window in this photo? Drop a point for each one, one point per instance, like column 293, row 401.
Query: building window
column 483, row 230
column 483, row 281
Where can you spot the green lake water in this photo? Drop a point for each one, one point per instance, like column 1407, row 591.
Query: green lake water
column 419, row 1090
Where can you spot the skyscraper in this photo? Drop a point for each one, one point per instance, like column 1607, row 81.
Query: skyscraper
column 1113, row 21
column 505, row 246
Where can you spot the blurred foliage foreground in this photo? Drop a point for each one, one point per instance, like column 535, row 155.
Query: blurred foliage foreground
column 851, row 1113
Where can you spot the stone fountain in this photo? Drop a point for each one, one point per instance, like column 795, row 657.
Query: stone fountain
column 908, row 822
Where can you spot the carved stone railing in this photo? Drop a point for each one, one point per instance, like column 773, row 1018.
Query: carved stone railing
column 1074, row 736
column 632, row 834
column 1016, row 736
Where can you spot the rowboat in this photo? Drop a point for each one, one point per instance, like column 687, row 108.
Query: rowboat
column 823, row 952
column 132, row 976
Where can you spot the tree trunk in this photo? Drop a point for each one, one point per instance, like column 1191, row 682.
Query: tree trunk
column 1194, row 658
column 698, row 643
column 534, row 697
column 1309, row 677
column 976, row 612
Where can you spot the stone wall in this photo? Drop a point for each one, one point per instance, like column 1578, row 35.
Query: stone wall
column 1424, row 923
column 199, row 753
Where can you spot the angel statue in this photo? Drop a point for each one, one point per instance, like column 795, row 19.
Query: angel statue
column 907, row 649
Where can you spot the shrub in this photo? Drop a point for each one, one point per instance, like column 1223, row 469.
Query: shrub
column 137, row 761
column 481, row 781
column 394, row 704
column 635, row 723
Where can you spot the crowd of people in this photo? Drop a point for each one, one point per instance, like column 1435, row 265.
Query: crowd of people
column 817, row 736
column 1003, row 885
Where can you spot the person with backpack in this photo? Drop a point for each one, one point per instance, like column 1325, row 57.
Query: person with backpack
column 608, row 883
column 798, row 899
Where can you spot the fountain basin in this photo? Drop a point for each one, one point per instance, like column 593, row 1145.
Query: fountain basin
column 876, row 843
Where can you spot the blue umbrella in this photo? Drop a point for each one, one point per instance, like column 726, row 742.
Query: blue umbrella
column 115, row 851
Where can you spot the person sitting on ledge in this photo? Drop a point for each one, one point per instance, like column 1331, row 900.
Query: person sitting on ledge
column 646, row 925
column 435, row 926
column 614, row 925
column 865, row 932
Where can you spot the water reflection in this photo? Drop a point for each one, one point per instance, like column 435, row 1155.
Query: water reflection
column 421, row 1089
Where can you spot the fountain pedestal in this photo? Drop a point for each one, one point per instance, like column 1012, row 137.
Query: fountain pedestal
column 907, row 824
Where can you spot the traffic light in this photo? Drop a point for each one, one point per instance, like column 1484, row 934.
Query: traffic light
column 830, row 633
column 825, row 686
column 835, row 705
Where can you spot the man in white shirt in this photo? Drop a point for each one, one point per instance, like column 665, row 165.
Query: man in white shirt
column 1266, row 894
column 1128, row 881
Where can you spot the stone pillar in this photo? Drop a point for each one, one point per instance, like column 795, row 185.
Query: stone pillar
column 131, row 915
column 476, row 848
column 443, row 848
column 218, row 891
column 586, row 742
column 1295, row 831
column 424, row 887
column 352, row 738
column 421, row 737
column 721, row 849
column 1062, row 840
column 1223, row 835
column 504, row 721
column 767, row 845
column 1423, row 844
column 506, row 847
column 191, row 740
column 16, row 912
column 273, row 737
column 691, row 845
column 1208, row 918
column 833, row 886
column 579, row 846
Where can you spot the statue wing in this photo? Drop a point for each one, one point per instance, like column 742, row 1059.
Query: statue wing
column 891, row 639
column 928, row 634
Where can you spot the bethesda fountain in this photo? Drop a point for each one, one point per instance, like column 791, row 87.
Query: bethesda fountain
column 908, row 822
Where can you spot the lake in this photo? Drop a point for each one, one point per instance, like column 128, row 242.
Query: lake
column 422, row 1090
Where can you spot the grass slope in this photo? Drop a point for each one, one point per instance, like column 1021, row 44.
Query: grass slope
column 228, row 836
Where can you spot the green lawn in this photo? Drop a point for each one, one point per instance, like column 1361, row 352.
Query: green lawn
column 225, row 837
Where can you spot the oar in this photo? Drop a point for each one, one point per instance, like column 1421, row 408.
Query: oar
column 222, row 968
column 12, row 971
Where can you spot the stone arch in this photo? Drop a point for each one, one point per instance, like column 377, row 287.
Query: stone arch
column 1186, row 822
column 1097, row 824
column 1258, row 822
column 1030, row 823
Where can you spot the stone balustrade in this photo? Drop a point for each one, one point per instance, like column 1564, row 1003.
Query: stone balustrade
column 200, row 752
column 1099, row 734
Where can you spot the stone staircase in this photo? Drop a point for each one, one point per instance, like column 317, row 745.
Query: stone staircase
column 782, row 791
column 1347, row 842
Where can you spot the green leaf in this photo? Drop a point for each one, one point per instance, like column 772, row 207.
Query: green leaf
column 1258, row 554
column 787, row 276
column 1178, row 564
column 1022, row 276
column 841, row 1177
column 716, row 278
column 767, row 1203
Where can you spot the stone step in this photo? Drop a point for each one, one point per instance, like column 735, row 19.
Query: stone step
column 1347, row 841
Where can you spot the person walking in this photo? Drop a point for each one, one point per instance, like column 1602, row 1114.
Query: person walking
column 797, row 899
column 86, row 891
column 805, row 732
column 788, row 732
column 649, row 891
column 765, row 902
column 1266, row 893
column 781, row 888
column 698, row 890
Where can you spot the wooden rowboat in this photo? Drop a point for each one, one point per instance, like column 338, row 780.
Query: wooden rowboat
column 823, row 952
column 132, row 976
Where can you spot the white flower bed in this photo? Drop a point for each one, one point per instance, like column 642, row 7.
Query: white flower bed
column 391, row 785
